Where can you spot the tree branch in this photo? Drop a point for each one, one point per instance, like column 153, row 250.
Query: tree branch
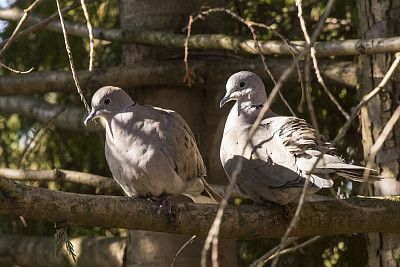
column 167, row 73
column 326, row 218
column 218, row 41
column 72, row 118
column 62, row 176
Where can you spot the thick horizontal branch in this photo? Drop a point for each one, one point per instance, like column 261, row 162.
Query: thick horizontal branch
column 166, row 73
column 39, row 251
column 318, row 218
column 218, row 41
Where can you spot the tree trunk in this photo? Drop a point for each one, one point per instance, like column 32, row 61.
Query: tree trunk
column 150, row 248
column 380, row 18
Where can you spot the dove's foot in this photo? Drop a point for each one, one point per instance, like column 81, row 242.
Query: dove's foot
column 166, row 201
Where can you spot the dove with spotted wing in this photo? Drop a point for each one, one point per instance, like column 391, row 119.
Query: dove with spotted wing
column 282, row 151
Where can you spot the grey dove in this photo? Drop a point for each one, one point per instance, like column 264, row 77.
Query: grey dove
column 151, row 152
column 282, row 151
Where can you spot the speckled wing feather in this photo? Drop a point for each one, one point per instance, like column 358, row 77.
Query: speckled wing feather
column 181, row 148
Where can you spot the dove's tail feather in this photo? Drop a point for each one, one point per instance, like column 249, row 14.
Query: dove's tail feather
column 355, row 172
column 211, row 192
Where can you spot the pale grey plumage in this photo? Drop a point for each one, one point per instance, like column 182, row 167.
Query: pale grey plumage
column 151, row 151
column 283, row 149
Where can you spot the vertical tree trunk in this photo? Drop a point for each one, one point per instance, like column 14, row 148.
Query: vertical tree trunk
column 380, row 18
column 150, row 248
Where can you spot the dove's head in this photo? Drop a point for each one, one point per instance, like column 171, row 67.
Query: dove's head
column 244, row 85
column 107, row 102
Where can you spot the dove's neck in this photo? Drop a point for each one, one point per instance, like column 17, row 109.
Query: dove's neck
column 244, row 113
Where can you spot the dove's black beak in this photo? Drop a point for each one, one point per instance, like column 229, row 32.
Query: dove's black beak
column 91, row 116
column 226, row 98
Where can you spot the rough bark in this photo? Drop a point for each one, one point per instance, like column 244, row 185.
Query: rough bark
column 241, row 222
column 39, row 251
column 216, row 41
column 166, row 73
column 380, row 19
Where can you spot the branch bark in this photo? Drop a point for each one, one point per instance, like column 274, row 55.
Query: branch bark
column 217, row 41
column 71, row 119
column 39, row 251
column 168, row 73
column 318, row 218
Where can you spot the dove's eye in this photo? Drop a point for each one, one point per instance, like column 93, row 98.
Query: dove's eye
column 107, row 101
column 242, row 84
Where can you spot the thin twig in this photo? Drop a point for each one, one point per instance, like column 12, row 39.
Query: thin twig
column 314, row 58
column 16, row 71
column 293, row 222
column 71, row 60
column 14, row 34
column 46, row 127
column 364, row 101
column 189, row 74
column 293, row 249
column 261, row 260
column 189, row 242
column 381, row 139
column 45, row 22
column 90, row 30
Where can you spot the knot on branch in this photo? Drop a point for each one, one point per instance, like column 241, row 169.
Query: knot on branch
column 59, row 175
column 8, row 188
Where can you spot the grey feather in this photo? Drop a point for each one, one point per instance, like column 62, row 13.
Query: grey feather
column 151, row 151
column 281, row 152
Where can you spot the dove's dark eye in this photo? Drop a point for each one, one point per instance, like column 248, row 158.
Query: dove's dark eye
column 242, row 84
column 107, row 101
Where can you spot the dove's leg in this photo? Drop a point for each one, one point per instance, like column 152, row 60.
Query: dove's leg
column 165, row 201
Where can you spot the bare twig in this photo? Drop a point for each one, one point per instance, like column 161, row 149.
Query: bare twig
column 45, row 22
column 90, row 30
column 46, row 127
column 272, row 252
column 189, row 242
column 14, row 34
column 293, row 249
column 16, row 71
column 366, row 99
column 71, row 60
column 381, row 139
column 189, row 74
column 314, row 58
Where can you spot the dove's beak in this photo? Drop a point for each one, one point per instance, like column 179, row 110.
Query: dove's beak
column 91, row 116
column 226, row 98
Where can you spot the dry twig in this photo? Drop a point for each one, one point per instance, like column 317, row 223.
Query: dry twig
column 45, row 22
column 272, row 252
column 71, row 60
column 14, row 34
column 189, row 74
column 90, row 30
column 314, row 58
column 189, row 242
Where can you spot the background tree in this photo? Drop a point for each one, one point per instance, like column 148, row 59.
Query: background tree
column 152, row 70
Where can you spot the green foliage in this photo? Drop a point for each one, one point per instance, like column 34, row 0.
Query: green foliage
column 61, row 238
